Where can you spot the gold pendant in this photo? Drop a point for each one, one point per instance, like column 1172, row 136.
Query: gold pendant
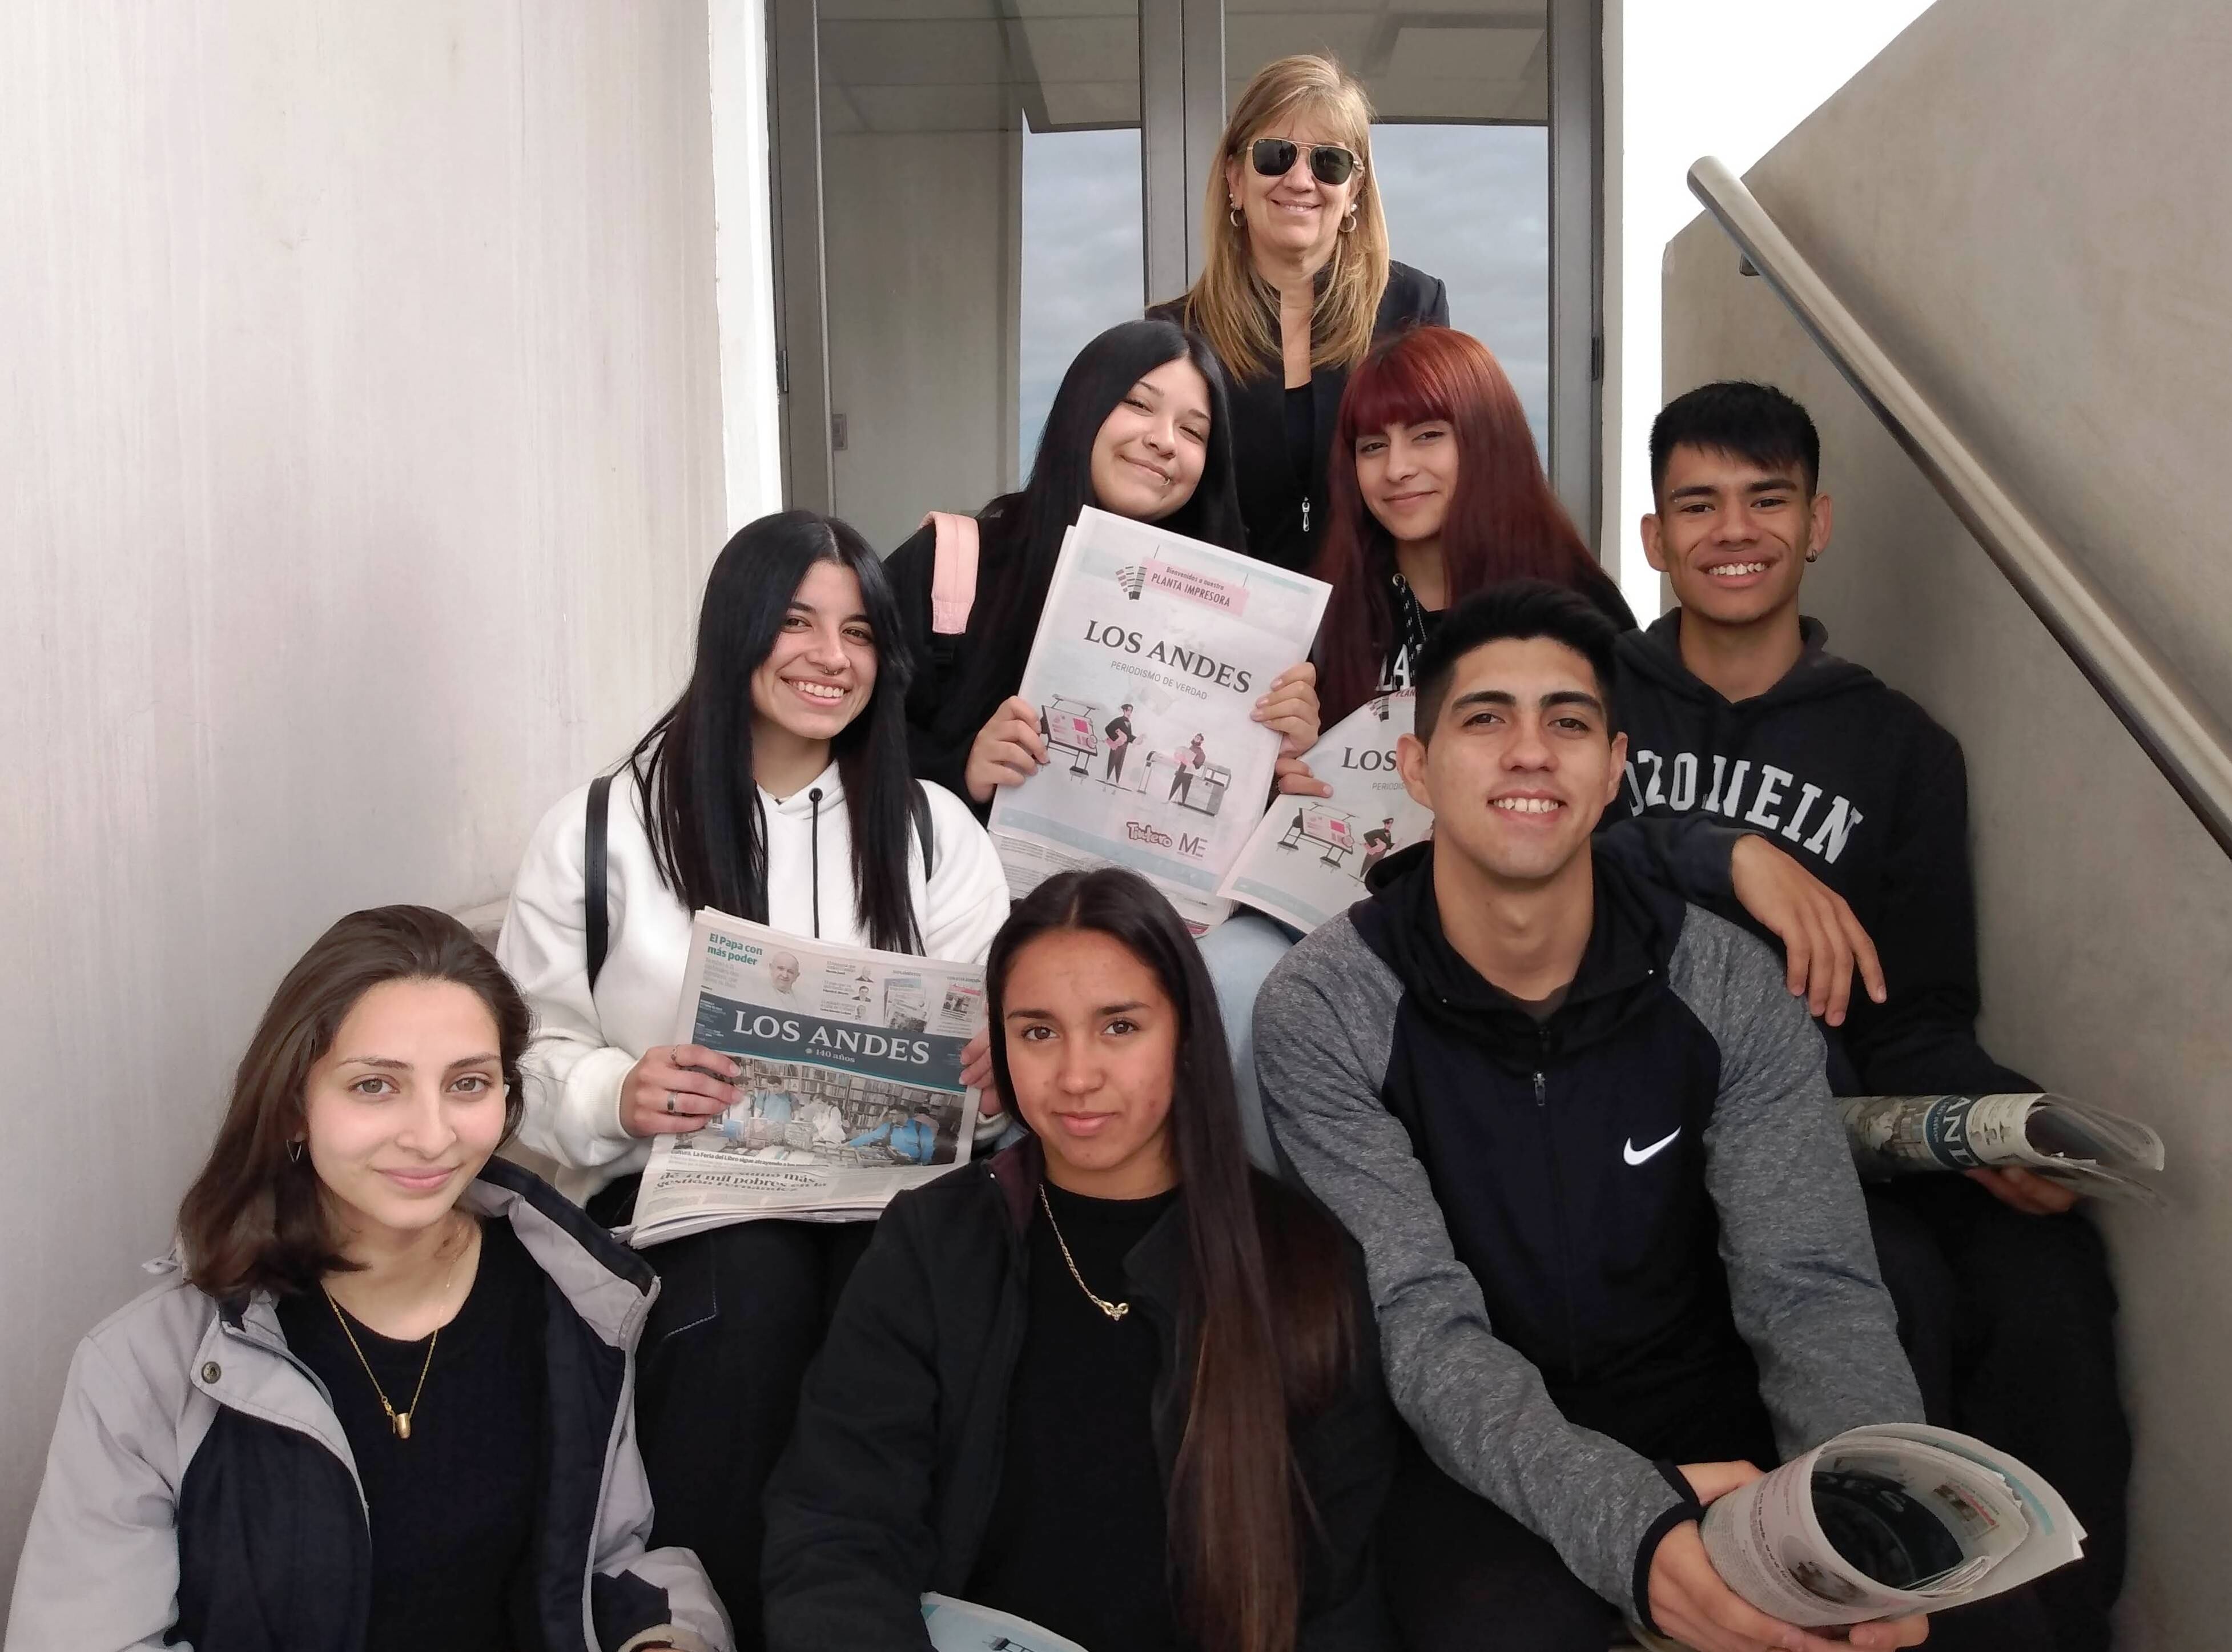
column 402, row 1421
column 1116, row 1311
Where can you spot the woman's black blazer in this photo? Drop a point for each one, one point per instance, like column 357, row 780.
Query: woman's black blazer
column 1271, row 494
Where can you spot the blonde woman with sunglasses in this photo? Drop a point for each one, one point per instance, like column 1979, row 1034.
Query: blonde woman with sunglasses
column 1296, row 286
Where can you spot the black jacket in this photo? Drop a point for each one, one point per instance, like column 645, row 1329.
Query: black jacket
column 896, row 1462
column 1860, row 784
column 1272, row 497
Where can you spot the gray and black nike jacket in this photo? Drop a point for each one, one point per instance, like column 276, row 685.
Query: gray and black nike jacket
column 1623, row 1237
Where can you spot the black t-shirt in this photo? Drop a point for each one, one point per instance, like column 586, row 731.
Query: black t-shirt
column 1078, row 1537
column 453, row 1507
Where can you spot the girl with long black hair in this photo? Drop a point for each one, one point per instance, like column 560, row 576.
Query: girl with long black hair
column 1112, row 1381
column 775, row 788
column 1139, row 427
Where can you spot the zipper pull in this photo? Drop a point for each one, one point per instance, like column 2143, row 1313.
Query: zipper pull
column 1306, row 513
column 1538, row 1097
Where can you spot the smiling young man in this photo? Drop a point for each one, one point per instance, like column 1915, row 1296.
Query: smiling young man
column 1582, row 1132
column 1734, row 707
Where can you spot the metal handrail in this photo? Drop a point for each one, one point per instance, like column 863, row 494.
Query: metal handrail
column 2186, row 743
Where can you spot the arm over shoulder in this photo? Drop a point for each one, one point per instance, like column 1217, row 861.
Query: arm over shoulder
column 573, row 1075
column 1802, row 1279
column 1325, row 1022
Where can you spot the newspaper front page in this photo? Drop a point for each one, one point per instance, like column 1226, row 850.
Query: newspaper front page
column 1307, row 861
column 1885, row 1521
column 1150, row 654
column 851, row 1087
column 2085, row 1147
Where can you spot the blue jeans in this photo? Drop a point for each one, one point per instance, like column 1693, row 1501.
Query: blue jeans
column 1240, row 952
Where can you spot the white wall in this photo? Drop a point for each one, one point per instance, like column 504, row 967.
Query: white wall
column 361, row 406
column 2035, row 224
column 1685, row 78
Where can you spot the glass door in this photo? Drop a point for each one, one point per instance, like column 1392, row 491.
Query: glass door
column 969, row 190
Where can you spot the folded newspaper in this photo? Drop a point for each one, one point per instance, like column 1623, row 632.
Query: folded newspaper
column 851, row 1085
column 1307, row 860
column 2083, row 1147
column 1887, row 1521
column 1150, row 654
column 962, row 1626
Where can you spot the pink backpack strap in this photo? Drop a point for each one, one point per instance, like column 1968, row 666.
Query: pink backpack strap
column 953, row 575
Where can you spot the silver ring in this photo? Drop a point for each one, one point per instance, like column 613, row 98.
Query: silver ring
column 670, row 1100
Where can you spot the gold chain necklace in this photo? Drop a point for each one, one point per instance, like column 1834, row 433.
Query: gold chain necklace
column 1115, row 1311
column 399, row 1422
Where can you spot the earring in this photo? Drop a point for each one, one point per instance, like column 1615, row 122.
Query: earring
column 1237, row 218
column 1813, row 555
column 1349, row 224
column 294, row 1152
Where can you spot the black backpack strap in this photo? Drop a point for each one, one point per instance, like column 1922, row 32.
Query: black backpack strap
column 920, row 810
column 598, row 919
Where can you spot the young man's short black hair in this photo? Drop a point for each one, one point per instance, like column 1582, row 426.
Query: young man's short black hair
column 1753, row 421
column 1513, row 611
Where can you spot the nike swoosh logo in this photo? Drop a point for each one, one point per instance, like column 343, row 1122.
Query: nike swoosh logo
column 1634, row 1154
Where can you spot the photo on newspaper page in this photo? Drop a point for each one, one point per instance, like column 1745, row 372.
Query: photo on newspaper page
column 1150, row 654
column 1307, row 861
column 850, row 1084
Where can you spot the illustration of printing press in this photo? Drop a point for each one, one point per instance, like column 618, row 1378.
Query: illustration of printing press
column 1069, row 726
column 1321, row 823
column 1200, row 788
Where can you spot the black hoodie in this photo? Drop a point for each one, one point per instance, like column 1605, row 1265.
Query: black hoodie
column 1856, row 782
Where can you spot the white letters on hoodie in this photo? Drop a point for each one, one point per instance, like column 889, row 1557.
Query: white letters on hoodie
column 583, row 1049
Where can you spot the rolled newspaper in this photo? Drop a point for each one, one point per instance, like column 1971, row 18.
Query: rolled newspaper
column 2082, row 1146
column 1886, row 1521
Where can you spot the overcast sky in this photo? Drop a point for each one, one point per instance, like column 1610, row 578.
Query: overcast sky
column 1468, row 204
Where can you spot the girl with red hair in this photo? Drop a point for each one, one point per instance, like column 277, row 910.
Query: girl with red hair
column 1436, row 492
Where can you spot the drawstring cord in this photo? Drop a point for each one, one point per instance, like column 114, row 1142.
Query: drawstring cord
column 814, row 797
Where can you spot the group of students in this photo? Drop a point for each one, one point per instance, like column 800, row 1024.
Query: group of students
column 1413, row 1284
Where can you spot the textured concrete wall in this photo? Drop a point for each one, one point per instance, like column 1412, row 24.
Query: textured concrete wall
column 359, row 399
column 2033, row 215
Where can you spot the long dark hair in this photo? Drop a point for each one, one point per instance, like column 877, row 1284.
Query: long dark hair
column 253, row 1220
column 1267, row 1303
column 1503, row 521
column 693, row 769
column 1024, row 530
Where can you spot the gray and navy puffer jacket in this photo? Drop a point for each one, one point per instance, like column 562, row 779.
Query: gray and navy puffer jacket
column 200, row 1491
column 1623, row 1236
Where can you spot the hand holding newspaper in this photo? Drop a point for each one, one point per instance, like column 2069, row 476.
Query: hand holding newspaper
column 2083, row 1147
column 1888, row 1521
column 1150, row 654
column 851, row 1081
column 1307, row 860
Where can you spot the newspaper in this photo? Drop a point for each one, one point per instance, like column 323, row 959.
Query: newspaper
column 1307, row 860
column 1151, row 652
column 962, row 1626
column 2081, row 1145
column 1885, row 1521
column 850, row 1082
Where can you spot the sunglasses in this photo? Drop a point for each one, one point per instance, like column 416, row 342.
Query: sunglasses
column 1329, row 162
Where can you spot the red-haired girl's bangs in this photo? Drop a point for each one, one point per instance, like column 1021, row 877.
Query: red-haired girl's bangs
column 1406, row 382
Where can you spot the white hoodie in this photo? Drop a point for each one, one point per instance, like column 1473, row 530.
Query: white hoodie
column 583, row 1048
